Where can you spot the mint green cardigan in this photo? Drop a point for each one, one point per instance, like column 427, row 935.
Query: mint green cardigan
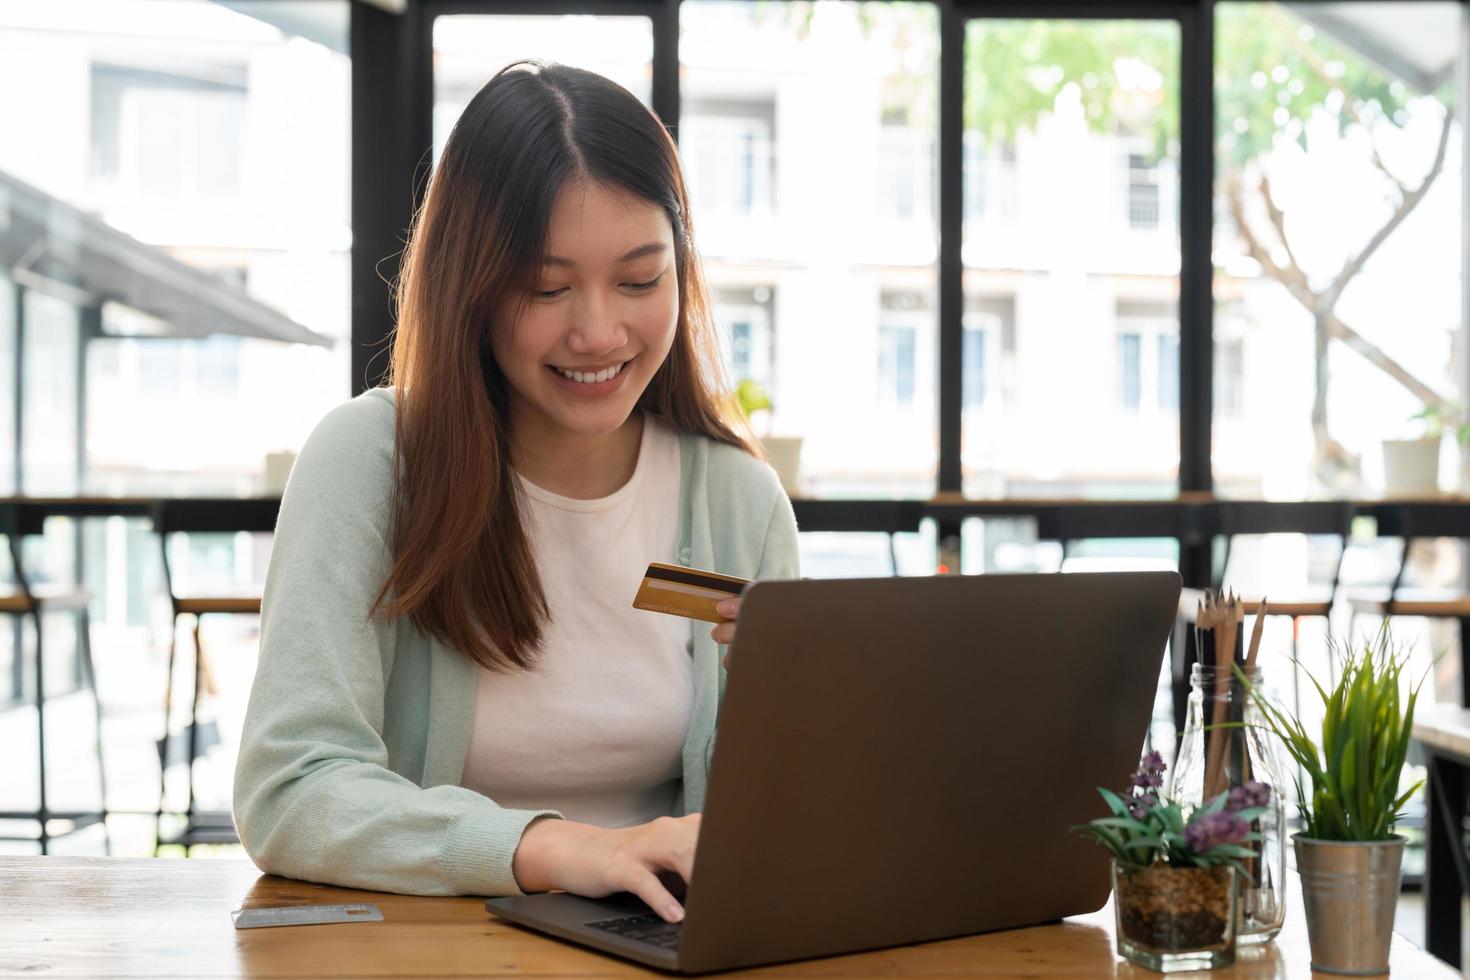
column 355, row 738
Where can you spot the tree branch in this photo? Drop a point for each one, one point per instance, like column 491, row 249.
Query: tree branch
column 1278, row 222
column 1406, row 205
column 1376, row 356
column 1290, row 277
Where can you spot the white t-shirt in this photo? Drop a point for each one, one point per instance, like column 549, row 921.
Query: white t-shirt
column 596, row 730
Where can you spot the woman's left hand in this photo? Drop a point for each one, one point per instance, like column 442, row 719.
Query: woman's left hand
column 724, row 633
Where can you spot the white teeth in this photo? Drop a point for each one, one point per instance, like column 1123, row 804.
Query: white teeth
column 582, row 377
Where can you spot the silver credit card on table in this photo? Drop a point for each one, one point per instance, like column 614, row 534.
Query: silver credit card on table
column 304, row 915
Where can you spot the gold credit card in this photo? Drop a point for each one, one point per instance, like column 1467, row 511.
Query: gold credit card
column 681, row 591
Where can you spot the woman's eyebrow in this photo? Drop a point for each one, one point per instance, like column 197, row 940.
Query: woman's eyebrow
column 651, row 248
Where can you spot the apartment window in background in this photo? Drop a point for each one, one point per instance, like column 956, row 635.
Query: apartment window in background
column 168, row 135
column 1167, row 345
column 218, row 366
column 728, row 150
column 797, row 119
column 1090, row 108
column 1130, row 371
column 160, row 369
column 1148, row 359
column 748, row 334
column 906, row 174
column 1230, row 379
column 896, row 366
column 976, row 337
column 1143, row 192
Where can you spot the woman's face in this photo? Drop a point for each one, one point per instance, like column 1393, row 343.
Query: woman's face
column 600, row 319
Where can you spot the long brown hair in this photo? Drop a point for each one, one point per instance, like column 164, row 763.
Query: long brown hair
column 462, row 565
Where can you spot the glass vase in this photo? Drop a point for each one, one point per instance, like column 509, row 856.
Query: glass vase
column 1226, row 743
column 1175, row 919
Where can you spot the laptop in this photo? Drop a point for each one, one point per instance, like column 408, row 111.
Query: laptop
column 901, row 760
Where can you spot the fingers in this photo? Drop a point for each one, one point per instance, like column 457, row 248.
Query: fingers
column 724, row 633
column 669, row 846
column 682, row 855
column 645, row 885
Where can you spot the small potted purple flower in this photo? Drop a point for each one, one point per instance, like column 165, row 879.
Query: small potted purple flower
column 1175, row 869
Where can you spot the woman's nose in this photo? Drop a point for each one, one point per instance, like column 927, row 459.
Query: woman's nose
column 595, row 326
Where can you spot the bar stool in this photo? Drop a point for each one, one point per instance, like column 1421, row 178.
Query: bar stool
column 17, row 521
column 200, row 516
column 1412, row 523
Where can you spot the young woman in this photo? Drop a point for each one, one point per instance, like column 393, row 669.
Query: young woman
column 454, row 694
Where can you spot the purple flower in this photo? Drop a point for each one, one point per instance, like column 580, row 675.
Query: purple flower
column 1150, row 774
column 1248, row 797
column 1210, row 830
column 1139, row 805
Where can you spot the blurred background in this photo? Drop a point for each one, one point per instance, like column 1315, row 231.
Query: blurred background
column 960, row 252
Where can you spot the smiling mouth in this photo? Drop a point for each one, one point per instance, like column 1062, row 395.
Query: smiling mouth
column 591, row 377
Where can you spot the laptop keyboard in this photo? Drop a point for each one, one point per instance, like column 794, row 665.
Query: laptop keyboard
column 645, row 928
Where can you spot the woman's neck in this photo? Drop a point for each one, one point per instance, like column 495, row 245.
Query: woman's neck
column 580, row 467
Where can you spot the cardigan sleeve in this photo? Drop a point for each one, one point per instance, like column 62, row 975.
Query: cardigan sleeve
column 779, row 555
column 314, row 795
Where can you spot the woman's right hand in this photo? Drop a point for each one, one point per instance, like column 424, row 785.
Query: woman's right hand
column 559, row 855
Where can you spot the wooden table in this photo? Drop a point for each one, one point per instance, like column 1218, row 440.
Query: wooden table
column 1443, row 732
column 139, row 917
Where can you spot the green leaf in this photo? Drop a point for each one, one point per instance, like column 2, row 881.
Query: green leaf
column 1114, row 801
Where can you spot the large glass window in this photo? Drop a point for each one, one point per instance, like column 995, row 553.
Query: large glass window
column 1071, row 224
column 1338, row 256
column 174, row 263
column 808, row 135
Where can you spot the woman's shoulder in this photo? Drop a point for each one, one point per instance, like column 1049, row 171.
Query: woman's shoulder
column 355, row 439
column 732, row 470
column 365, row 422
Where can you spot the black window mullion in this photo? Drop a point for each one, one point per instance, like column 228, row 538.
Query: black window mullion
column 951, row 262
column 1196, row 232
column 392, row 107
column 666, row 64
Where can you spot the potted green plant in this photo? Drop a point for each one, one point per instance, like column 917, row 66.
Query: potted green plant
column 782, row 452
column 1347, row 854
column 1176, row 868
column 1411, row 465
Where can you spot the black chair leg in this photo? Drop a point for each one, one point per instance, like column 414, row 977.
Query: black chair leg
column 168, row 703
column 89, row 671
column 42, row 813
column 1464, row 662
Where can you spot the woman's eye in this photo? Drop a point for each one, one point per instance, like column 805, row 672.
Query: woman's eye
column 645, row 286
column 550, row 293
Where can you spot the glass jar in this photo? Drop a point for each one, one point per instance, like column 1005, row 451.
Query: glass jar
column 1175, row 919
column 1225, row 740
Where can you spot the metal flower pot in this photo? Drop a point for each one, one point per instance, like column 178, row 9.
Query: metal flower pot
column 1349, row 890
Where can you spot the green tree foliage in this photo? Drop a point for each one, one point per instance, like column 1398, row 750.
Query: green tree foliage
column 1015, row 69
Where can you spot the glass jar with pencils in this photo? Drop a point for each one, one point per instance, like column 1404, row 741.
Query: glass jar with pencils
column 1227, row 748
